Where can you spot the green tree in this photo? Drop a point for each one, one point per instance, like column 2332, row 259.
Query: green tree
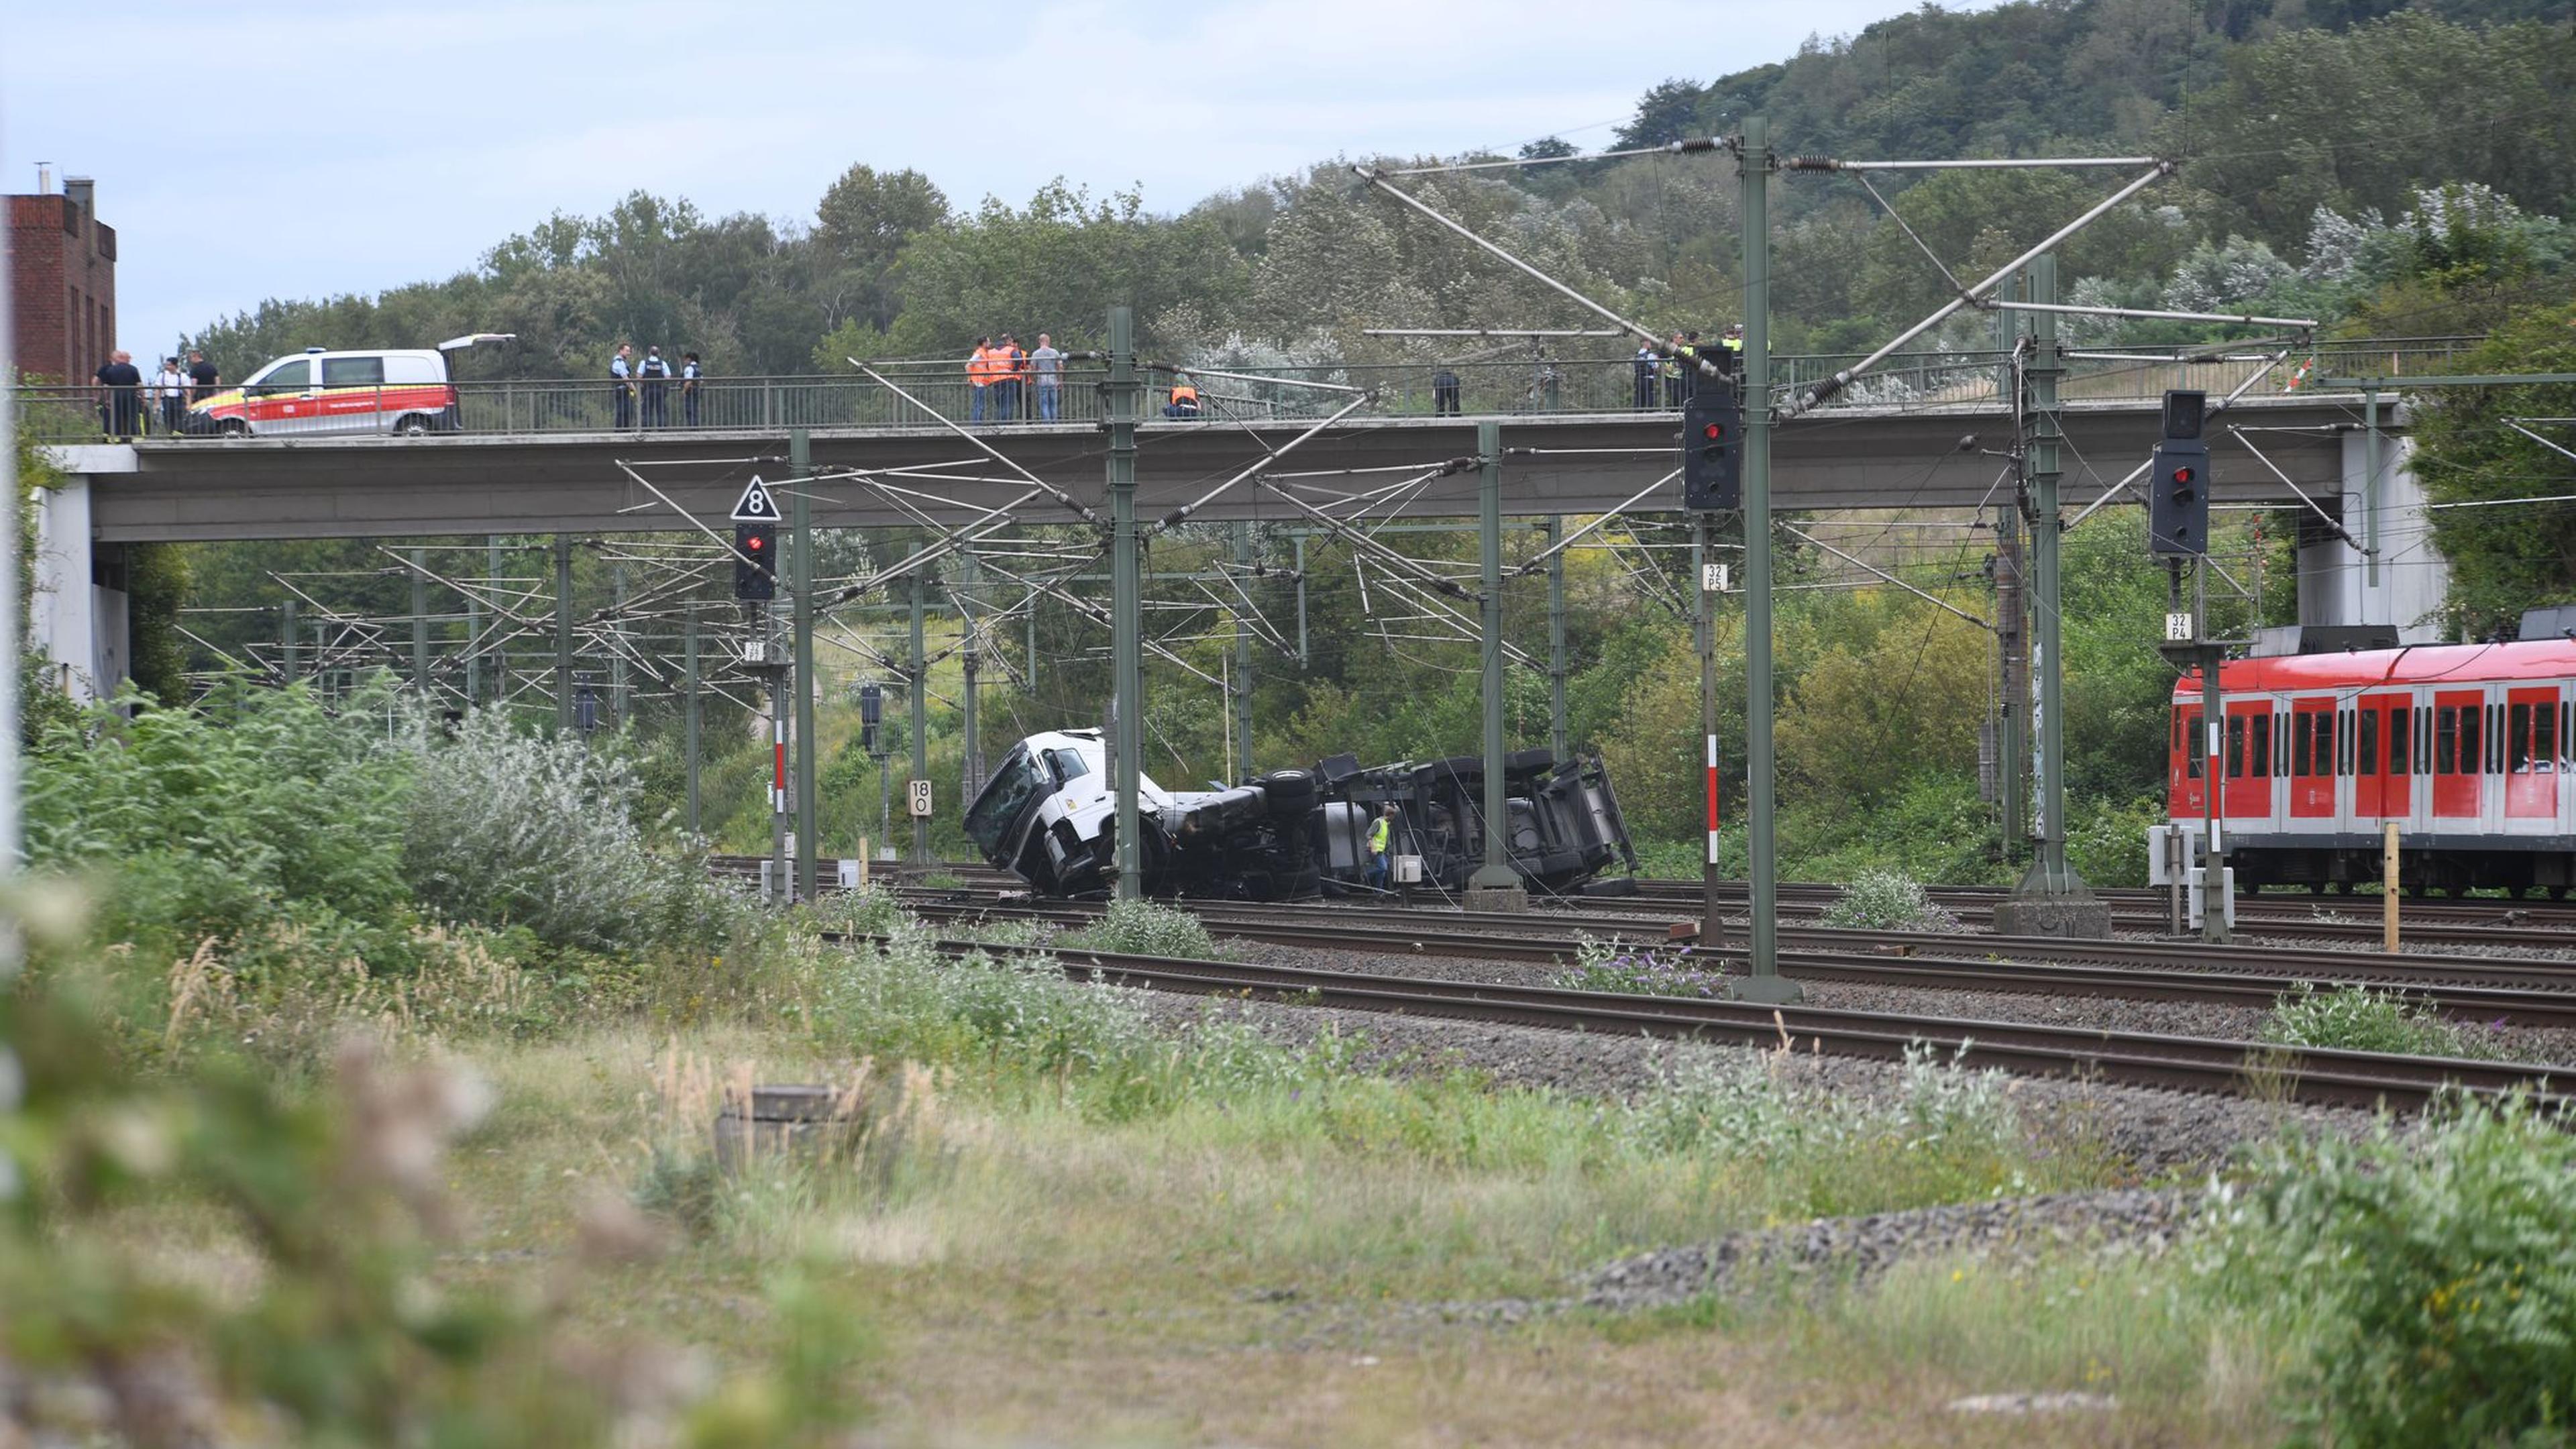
column 2507, row 558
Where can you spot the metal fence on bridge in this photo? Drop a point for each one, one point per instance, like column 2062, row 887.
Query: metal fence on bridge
column 1534, row 385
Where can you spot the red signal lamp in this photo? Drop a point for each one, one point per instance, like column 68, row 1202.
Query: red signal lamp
column 2182, row 475
column 756, row 542
column 1714, row 431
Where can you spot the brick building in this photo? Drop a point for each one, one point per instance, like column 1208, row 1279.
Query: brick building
column 62, row 283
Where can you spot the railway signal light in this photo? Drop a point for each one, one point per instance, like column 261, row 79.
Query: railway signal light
column 755, row 548
column 2178, row 499
column 1712, row 473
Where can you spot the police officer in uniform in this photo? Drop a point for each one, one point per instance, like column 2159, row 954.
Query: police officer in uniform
column 656, row 376
column 621, row 386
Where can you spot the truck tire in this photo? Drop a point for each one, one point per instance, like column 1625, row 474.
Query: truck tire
column 1291, row 792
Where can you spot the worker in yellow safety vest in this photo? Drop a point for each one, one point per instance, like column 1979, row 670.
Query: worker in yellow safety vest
column 1381, row 832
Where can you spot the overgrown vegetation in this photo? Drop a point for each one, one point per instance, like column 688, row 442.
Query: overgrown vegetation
column 2358, row 1018
column 2422, row 1283
column 1882, row 900
column 1641, row 970
column 1148, row 928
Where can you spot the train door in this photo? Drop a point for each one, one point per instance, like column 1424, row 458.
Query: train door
column 2312, row 759
column 2183, row 771
column 2383, row 757
column 2531, row 754
column 2459, row 749
column 2249, row 761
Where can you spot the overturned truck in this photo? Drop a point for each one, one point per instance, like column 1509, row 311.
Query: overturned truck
column 1049, row 815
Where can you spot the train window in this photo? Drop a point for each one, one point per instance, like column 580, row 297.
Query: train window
column 2281, row 744
column 2299, row 761
column 2343, row 742
column 2517, row 740
column 2397, row 757
column 2365, row 750
column 2423, row 740
column 2322, row 725
column 2472, row 753
column 2196, row 747
column 2446, row 740
column 2259, row 747
column 2236, row 747
column 2544, row 735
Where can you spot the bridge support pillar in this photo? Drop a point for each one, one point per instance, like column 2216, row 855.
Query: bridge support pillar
column 2336, row 584
column 76, row 617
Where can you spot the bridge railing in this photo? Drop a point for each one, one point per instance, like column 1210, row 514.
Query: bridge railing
column 923, row 391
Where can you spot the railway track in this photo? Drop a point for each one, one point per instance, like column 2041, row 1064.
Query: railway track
column 2336, row 1078
column 2517, row 993
column 2515, row 924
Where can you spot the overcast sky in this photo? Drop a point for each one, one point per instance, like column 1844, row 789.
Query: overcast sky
column 299, row 150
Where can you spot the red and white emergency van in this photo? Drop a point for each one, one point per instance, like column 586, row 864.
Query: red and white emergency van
column 319, row 391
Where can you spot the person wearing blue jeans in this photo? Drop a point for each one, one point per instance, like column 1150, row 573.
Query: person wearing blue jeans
column 1380, row 836
column 1046, row 365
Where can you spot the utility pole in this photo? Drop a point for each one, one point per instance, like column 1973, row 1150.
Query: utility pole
column 286, row 632
column 420, row 622
column 2213, row 768
column 1704, row 645
column 970, row 768
column 800, row 466
column 1753, row 170
column 1301, row 599
column 2012, row 647
column 1242, row 686
column 690, row 733
column 617, row 654
column 563, row 635
column 919, row 670
column 492, row 584
column 2051, row 900
column 1494, row 886
column 1127, row 626
column 1556, row 742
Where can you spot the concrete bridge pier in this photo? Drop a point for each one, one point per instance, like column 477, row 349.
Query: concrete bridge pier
column 2338, row 585
column 77, row 611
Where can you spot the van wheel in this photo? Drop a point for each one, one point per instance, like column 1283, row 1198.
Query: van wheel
column 411, row 425
column 233, row 428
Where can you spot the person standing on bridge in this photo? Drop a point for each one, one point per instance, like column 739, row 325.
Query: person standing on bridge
column 170, row 390
column 1381, row 834
column 1444, row 394
column 1008, row 363
column 1185, row 398
column 656, row 375
column 1047, row 366
column 203, row 380
column 1647, row 363
column 120, row 396
column 621, row 386
column 1732, row 359
column 690, row 376
column 979, row 378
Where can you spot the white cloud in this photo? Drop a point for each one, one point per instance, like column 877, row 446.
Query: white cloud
column 303, row 149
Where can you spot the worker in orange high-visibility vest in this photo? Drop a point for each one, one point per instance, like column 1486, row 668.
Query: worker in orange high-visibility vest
column 979, row 377
column 1185, row 398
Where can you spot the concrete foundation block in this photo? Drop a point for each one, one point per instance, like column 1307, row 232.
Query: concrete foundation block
column 2066, row 917
column 1512, row 899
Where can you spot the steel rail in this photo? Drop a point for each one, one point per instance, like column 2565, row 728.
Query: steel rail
column 2192, row 1064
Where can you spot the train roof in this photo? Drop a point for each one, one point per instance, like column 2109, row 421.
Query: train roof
column 2375, row 668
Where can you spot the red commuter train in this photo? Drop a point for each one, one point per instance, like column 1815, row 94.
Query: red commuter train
column 2465, row 746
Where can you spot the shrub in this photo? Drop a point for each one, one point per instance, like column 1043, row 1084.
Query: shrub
column 1883, row 900
column 2426, row 1282
column 1640, row 970
column 507, row 829
column 1148, row 928
column 219, row 819
column 2356, row 1018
